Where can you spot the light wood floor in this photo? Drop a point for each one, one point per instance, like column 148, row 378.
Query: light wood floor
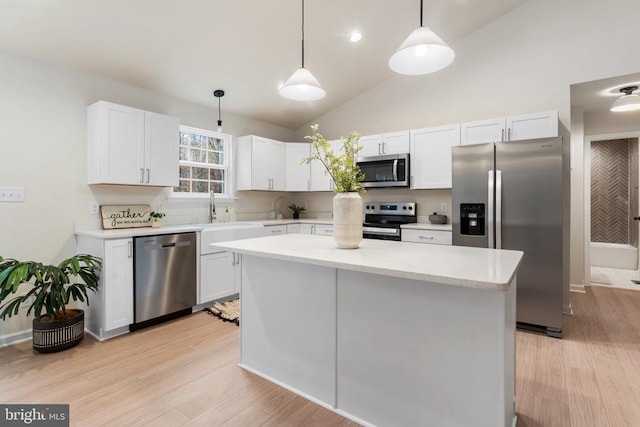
column 185, row 373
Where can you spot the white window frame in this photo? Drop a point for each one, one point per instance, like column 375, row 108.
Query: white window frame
column 227, row 167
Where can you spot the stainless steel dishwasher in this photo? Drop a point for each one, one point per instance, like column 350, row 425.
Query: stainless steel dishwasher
column 164, row 277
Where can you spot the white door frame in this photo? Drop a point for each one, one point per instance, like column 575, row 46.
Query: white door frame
column 588, row 139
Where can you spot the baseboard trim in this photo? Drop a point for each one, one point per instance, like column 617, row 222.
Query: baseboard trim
column 15, row 338
column 577, row 288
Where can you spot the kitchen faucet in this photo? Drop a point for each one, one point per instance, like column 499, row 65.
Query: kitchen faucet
column 275, row 206
column 212, row 207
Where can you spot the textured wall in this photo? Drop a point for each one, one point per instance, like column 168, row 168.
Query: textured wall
column 610, row 191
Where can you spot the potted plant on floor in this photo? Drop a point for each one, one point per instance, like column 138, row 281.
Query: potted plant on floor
column 347, row 176
column 297, row 210
column 59, row 327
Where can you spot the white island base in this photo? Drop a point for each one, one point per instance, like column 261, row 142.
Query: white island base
column 377, row 348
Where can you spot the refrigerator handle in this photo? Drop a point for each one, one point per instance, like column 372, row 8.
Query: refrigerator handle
column 498, row 209
column 490, row 209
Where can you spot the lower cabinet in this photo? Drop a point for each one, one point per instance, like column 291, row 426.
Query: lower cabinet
column 293, row 228
column 324, row 230
column 307, row 229
column 218, row 276
column 274, row 230
column 437, row 237
column 110, row 311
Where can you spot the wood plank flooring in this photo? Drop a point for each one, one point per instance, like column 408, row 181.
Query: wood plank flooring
column 185, row 373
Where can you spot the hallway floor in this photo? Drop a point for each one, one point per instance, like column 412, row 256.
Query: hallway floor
column 614, row 278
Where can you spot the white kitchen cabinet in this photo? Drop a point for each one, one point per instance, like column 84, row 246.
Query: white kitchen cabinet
column 512, row 128
column 530, row 126
column 371, row 145
column 482, row 131
column 131, row 146
column 320, row 178
column 386, row 143
column 307, row 229
column 298, row 176
column 217, row 276
column 110, row 311
column 275, row 230
column 260, row 164
column 437, row 237
column 431, row 156
column 293, row 228
column 323, row 230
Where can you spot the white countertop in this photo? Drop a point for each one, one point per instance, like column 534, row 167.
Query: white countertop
column 427, row 226
column 489, row 269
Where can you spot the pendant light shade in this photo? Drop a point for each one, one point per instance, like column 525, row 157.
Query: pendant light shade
column 302, row 86
column 628, row 102
column 423, row 52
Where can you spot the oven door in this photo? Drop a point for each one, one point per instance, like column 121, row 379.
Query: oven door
column 381, row 233
column 385, row 171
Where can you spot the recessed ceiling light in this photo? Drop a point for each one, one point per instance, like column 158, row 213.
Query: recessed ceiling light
column 355, row 37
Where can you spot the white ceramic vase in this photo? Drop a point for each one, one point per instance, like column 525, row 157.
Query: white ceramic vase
column 347, row 220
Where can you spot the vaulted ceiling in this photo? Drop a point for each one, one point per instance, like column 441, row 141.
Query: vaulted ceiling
column 188, row 48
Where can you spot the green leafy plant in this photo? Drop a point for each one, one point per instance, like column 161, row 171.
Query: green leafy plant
column 51, row 288
column 296, row 209
column 156, row 216
column 342, row 167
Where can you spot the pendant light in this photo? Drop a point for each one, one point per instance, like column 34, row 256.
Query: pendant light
column 628, row 102
column 423, row 52
column 219, row 93
column 302, row 86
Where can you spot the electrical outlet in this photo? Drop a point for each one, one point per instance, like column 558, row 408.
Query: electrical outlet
column 11, row 194
column 444, row 207
column 159, row 207
column 94, row 208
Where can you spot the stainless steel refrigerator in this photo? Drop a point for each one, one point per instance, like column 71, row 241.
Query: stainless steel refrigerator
column 514, row 195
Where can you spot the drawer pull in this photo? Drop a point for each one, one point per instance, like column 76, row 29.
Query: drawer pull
column 426, row 237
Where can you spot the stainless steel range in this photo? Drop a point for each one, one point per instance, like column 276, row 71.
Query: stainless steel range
column 382, row 220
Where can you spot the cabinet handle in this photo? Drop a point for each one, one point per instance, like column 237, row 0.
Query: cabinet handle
column 141, row 175
column 384, row 149
column 276, row 231
column 502, row 137
column 426, row 237
column 509, row 135
column 130, row 249
column 148, row 175
column 379, row 148
column 308, row 184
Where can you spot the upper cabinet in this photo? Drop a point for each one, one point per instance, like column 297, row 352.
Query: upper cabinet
column 131, row 146
column 298, row 174
column 386, row 143
column 431, row 156
column 261, row 164
column 320, row 178
column 512, row 128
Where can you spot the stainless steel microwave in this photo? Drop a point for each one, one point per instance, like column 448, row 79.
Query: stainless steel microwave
column 385, row 171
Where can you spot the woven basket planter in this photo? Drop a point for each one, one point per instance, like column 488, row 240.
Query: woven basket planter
column 49, row 337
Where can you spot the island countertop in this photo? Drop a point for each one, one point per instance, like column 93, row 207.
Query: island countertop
column 481, row 268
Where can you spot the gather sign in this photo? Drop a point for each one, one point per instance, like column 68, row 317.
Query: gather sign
column 125, row 216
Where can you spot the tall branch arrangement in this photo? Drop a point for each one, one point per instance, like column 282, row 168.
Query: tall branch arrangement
column 342, row 167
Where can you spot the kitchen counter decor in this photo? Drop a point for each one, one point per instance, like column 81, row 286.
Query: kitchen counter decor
column 126, row 216
column 347, row 178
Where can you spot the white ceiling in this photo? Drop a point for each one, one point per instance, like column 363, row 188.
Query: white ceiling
column 188, row 48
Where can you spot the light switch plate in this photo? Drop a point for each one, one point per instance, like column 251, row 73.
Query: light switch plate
column 444, row 207
column 94, row 208
column 11, row 194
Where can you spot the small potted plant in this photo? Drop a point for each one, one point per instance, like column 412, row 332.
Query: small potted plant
column 297, row 210
column 59, row 327
column 155, row 218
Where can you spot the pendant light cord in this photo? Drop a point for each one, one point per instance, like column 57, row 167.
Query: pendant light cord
column 302, row 33
column 421, row 13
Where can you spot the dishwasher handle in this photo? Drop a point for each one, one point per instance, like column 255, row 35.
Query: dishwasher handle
column 169, row 245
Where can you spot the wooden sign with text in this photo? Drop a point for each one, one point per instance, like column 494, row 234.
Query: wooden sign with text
column 127, row 216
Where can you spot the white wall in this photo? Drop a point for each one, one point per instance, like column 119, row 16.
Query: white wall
column 523, row 62
column 42, row 148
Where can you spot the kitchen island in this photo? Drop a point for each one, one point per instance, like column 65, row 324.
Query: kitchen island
column 392, row 333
